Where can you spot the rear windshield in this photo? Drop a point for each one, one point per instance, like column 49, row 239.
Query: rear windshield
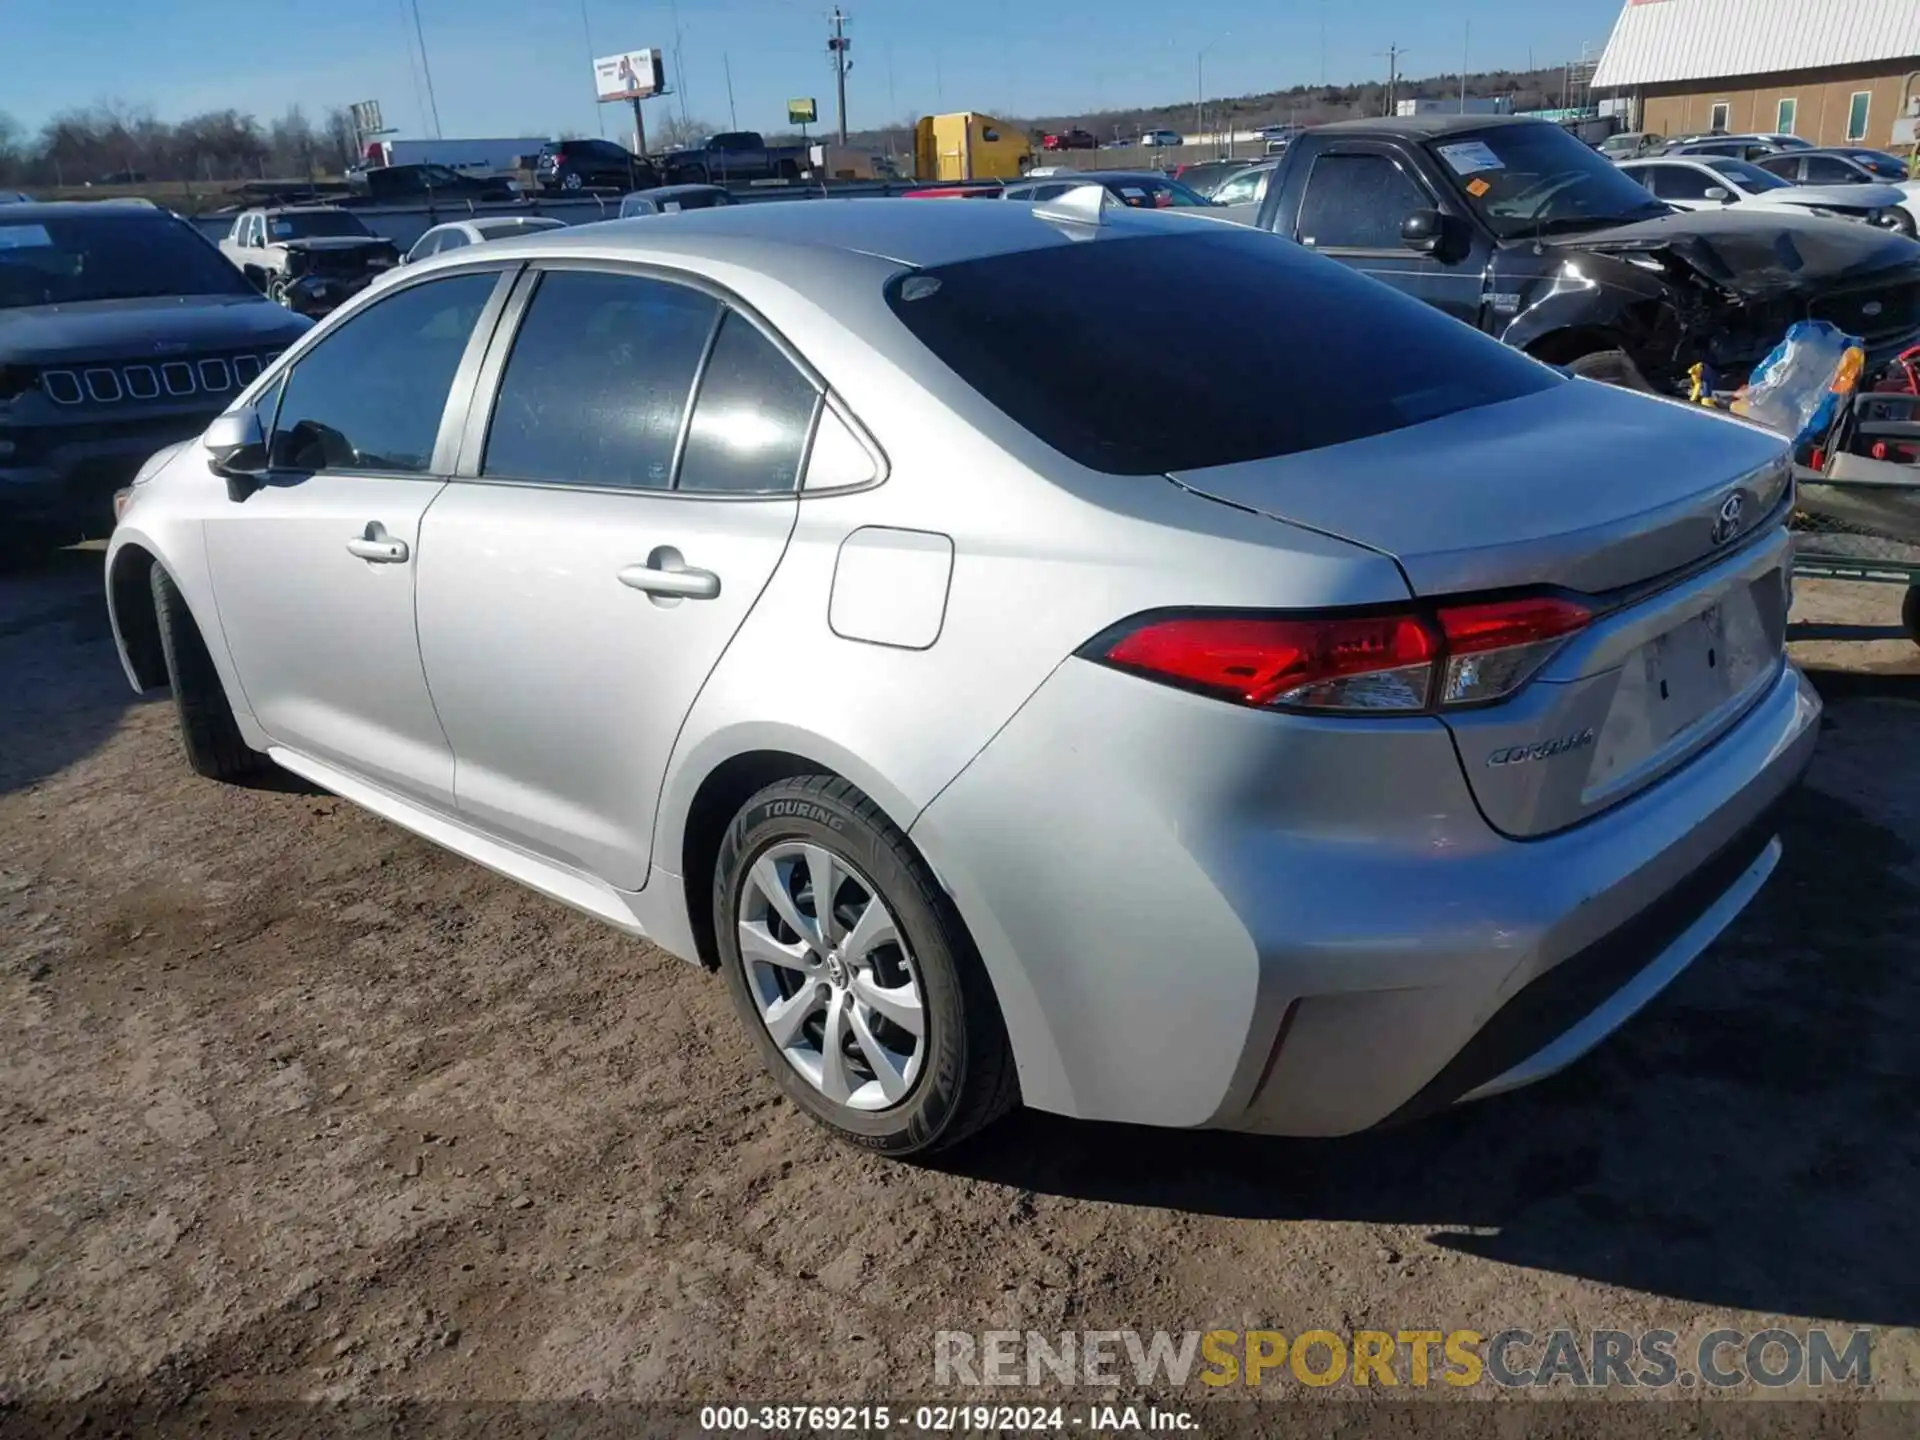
column 65, row 259
column 1149, row 354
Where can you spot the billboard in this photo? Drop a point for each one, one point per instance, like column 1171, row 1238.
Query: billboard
column 632, row 76
column 366, row 117
column 802, row 112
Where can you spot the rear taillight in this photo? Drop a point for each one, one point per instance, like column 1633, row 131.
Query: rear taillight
column 1366, row 662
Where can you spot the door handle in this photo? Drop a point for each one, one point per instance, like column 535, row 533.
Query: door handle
column 667, row 576
column 375, row 545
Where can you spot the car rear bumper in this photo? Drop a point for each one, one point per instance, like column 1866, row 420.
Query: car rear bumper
column 1201, row 915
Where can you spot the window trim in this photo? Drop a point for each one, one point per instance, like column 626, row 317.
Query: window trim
column 485, row 393
column 459, row 391
column 1377, row 152
column 1866, row 116
column 1786, row 114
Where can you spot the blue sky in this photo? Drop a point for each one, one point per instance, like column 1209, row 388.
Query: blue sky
column 514, row 67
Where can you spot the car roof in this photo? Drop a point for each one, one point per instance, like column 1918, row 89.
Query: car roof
column 1425, row 125
column 1841, row 152
column 1068, row 172
column 302, row 210
column 777, row 237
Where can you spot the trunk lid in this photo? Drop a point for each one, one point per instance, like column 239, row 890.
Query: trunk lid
column 1581, row 488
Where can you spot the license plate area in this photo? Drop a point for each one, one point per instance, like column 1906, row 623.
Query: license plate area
column 1676, row 688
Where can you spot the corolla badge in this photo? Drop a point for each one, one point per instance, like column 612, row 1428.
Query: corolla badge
column 1545, row 750
column 1726, row 524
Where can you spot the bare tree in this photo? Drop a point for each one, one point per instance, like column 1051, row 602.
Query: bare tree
column 675, row 131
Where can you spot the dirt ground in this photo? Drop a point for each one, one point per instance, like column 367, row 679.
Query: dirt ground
column 296, row 1106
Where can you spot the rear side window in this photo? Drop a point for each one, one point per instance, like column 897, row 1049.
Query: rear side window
column 750, row 424
column 1146, row 354
column 370, row 395
column 1357, row 202
column 597, row 385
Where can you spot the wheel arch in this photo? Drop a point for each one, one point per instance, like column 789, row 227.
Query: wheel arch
column 136, row 628
column 694, row 822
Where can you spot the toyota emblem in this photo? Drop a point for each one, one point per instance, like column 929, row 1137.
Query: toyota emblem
column 1726, row 524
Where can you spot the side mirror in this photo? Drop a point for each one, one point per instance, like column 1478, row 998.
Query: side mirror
column 236, row 446
column 1719, row 194
column 1423, row 231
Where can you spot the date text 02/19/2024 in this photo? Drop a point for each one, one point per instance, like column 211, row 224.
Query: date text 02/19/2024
column 942, row 1419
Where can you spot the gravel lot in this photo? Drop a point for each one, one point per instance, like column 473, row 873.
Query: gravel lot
column 298, row 1106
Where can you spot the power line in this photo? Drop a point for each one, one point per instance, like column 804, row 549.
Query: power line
column 426, row 70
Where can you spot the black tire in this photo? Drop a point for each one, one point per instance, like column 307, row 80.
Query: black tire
column 1611, row 367
column 207, row 730
column 1910, row 613
column 966, row 1078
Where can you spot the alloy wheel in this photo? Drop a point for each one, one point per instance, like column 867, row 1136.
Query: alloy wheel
column 831, row 976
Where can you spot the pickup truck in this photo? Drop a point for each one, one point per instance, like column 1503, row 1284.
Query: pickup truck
column 1515, row 227
column 398, row 184
column 732, row 155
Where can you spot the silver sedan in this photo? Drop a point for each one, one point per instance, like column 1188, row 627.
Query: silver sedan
column 887, row 607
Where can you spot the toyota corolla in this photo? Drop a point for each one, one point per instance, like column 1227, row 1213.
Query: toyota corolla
column 890, row 608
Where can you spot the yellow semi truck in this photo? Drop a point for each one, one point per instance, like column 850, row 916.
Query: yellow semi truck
column 969, row 146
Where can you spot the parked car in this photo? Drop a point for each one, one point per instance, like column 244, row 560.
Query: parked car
column 1877, row 163
column 1631, row 143
column 734, row 155
column 1734, row 147
column 965, row 190
column 669, row 199
column 1155, row 139
column 1140, row 189
column 1242, row 192
column 1517, row 228
column 593, row 165
column 1717, row 181
column 406, row 184
column 458, row 234
column 309, row 258
column 1430, row 774
column 1073, row 139
column 1203, row 177
column 122, row 330
column 1844, row 168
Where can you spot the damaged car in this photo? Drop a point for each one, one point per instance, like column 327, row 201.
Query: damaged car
column 309, row 258
column 1515, row 227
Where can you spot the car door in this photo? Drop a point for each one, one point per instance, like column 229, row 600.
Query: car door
column 1832, row 170
column 621, row 501
column 314, row 570
column 1355, row 199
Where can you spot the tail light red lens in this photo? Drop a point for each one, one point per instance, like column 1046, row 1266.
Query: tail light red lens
column 1370, row 662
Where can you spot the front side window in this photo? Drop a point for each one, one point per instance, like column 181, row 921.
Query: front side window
column 1357, row 202
column 1678, row 182
column 1857, row 111
column 1831, row 170
column 1112, row 351
column 370, row 395
column 597, row 384
column 750, row 422
column 1787, row 167
column 1243, row 189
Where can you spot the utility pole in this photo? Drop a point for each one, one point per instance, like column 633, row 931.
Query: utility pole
column 837, row 47
column 1394, row 52
column 586, row 29
column 733, row 115
column 1466, row 48
column 421, row 36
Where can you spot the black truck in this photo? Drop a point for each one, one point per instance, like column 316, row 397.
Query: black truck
column 729, row 156
column 1519, row 229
